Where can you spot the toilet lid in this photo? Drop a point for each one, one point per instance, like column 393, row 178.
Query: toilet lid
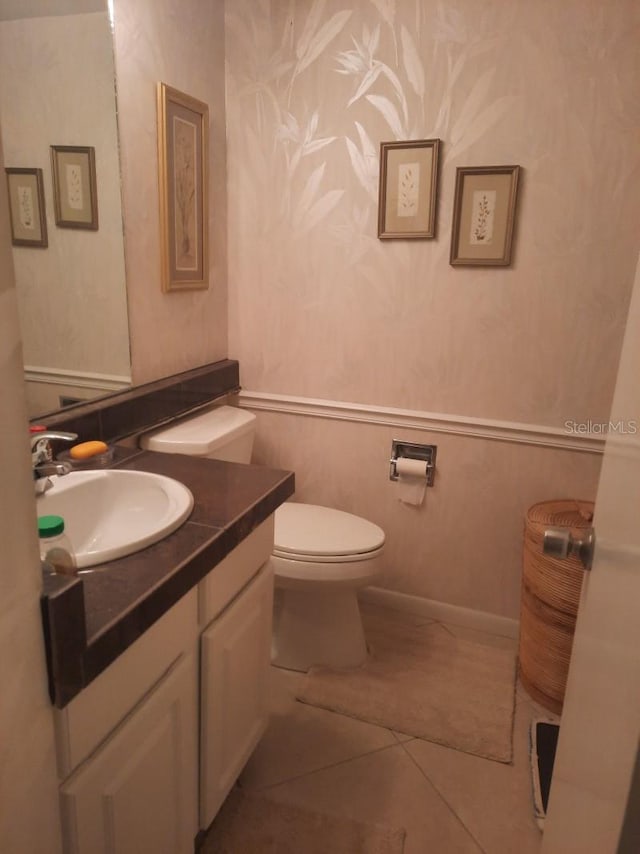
column 308, row 529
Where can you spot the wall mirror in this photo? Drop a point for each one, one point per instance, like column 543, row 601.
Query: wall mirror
column 57, row 88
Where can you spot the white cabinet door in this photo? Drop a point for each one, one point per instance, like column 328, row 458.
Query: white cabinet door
column 235, row 658
column 138, row 792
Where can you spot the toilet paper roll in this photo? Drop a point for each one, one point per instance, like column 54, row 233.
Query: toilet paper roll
column 412, row 481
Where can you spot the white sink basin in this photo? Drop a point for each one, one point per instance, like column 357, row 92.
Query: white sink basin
column 111, row 514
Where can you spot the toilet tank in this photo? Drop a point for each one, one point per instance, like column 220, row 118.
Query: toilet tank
column 222, row 433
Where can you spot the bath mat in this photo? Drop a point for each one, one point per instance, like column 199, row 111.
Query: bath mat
column 422, row 679
column 249, row 823
column 543, row 740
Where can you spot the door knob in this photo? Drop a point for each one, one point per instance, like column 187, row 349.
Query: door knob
column 559, row 543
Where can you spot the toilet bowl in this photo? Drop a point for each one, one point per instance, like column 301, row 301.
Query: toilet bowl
column 321, row 556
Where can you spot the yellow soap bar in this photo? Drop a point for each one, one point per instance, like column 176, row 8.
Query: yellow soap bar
column 87, row 449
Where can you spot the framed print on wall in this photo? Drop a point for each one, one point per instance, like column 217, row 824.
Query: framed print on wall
column 408, row 189
column 26, row 207
column 75, row 193
column 484, row 209
column 183, row 125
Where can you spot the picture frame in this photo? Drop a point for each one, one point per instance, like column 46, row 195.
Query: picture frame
column 484, row 211
column 408, row 189
column 183, row 128
column 26, row 207
column 75, row 191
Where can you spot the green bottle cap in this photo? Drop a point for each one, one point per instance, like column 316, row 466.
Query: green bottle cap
column 50, row 526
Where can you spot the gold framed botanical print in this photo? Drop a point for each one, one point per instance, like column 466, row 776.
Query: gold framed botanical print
column 183, row 125
column 484, row 210
column 26, row 207
column 408, row 189
column 75, row 191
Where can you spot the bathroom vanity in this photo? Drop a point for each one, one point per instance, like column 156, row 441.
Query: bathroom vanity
column 158, row 664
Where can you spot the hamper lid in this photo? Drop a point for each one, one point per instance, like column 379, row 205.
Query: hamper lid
column 562, row 513
column 201, row 435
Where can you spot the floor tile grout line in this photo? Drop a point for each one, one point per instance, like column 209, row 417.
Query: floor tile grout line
column 447, row 630
column 406, row 739
column 332, row 765
column 442, row 797
column 399, row 744
column 451, row 627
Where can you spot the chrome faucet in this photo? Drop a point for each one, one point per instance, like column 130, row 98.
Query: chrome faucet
column 42, row 458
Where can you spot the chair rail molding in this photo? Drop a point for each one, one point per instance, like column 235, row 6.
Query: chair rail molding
column 433, row 422
column 80, row 379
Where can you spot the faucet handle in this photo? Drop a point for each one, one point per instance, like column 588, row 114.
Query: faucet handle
column 40, row 447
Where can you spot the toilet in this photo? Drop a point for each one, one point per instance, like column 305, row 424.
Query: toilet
column 321, row 556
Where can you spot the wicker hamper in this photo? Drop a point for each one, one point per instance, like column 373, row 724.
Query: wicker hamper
column 550, row 596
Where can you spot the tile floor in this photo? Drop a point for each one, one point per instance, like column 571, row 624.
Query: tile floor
column 449, row 802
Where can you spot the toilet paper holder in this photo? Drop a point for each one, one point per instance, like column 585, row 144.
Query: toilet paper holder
column 413, row 451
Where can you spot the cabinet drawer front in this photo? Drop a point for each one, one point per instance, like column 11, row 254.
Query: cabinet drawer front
column 138, row 792
column 227, row 579
column 235, row 659
column 89, row 718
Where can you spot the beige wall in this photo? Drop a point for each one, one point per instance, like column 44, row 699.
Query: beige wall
column 463, row 546
column 320, row 308
column 28, row 786
column 181, row 44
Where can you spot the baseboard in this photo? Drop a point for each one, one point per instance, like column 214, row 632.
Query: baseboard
column 442, row 611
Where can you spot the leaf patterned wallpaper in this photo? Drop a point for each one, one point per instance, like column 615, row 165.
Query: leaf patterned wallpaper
column 320, row 307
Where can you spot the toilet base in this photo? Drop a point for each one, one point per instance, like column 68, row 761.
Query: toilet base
column 312, row 627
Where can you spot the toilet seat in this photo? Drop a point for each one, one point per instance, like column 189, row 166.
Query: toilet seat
column 307, row 558
column 310, row 532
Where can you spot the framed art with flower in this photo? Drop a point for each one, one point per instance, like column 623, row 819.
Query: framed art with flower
column 26, row 207
column 183, row 128
column 408, row 189
column 484, row 210
column 75, row 192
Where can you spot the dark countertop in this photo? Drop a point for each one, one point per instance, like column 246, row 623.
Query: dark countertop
column 92, row 618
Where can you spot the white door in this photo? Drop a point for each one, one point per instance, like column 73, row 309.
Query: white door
column 601, row 718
